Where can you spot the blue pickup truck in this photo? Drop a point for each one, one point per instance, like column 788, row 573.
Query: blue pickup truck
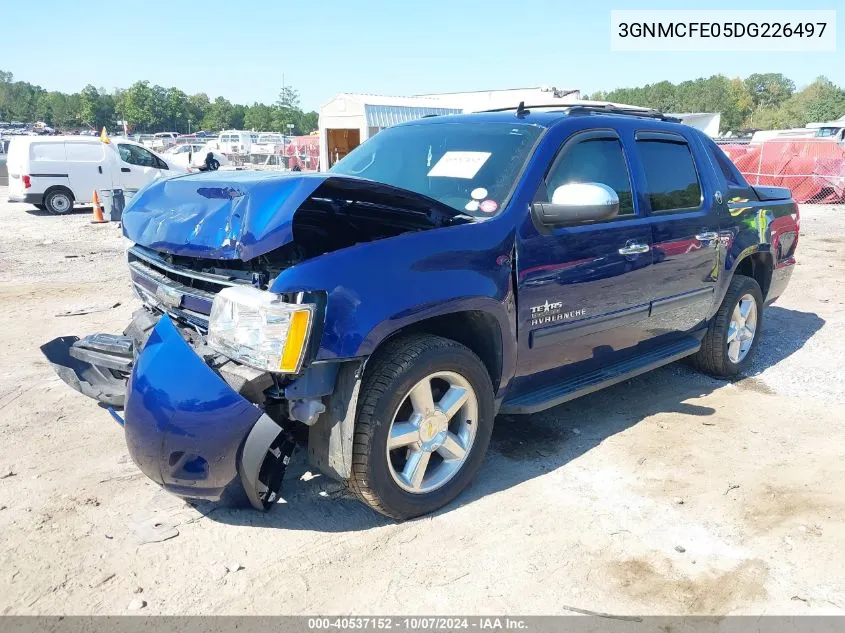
column 447, row 270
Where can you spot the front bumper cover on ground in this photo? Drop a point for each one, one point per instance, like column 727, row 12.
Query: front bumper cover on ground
column 186, row 428
column 184, row 424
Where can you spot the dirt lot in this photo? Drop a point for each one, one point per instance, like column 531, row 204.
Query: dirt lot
column 671, row 493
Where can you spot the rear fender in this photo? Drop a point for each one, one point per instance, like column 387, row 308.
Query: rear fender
column 752, row 227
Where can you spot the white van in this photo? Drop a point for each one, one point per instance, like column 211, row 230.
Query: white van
column 56, row 172
column 234, row 142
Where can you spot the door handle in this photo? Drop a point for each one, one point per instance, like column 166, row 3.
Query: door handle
column 707, row 236
column 100, row 168
column 125, row 169
column 632, row 248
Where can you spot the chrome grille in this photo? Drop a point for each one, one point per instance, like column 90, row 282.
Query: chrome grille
column 181, row 292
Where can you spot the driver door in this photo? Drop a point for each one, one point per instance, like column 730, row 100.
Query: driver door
column 582, row 288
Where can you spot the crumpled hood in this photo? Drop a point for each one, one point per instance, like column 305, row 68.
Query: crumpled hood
column 218, row 215
column 243, row 214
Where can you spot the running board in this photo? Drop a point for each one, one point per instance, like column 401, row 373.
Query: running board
column 578, row 386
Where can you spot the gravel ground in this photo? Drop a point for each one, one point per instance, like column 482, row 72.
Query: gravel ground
column 672, row 493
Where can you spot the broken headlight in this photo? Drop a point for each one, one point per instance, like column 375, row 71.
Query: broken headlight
column 258, row 329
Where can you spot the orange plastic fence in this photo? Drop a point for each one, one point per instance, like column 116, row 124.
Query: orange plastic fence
column 814, row 169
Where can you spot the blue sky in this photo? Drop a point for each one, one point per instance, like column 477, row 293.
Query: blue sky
column 240, row 49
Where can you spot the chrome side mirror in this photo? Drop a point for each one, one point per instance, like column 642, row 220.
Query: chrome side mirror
column 578, row 202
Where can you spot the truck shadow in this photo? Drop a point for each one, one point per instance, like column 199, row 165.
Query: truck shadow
column 524, row 447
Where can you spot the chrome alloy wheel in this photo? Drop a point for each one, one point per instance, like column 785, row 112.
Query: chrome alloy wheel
column 742, row 328
column 432, row 432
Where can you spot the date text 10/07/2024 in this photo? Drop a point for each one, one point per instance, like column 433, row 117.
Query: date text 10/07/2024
column 417, row 623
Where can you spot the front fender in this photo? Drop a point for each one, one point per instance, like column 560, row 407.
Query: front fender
column 376, row 288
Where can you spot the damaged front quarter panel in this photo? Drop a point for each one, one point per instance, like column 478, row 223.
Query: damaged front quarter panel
column 375, row 289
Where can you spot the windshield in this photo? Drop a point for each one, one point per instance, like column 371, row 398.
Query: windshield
column 472, row 167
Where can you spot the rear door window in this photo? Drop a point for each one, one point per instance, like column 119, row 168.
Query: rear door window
column 672, row 182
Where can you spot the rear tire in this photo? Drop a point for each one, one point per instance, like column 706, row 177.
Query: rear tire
column 59, row 201
column 731, row 341
column 452, row 436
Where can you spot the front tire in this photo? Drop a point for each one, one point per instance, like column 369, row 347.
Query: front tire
column 425, row 416
column 59, row 201
column 731, row 340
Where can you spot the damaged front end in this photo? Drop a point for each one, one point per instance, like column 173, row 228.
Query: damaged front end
column 197, row 422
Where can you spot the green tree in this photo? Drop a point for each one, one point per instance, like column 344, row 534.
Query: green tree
column 198, row 105
column 236, row 118
column 137, row 106
column 218, row 115
column 741, row 106
column 287, row 111
column 282, row 117
column 288, row 98
column 96, row 107
column 259, row 117
column 308, row 122
column 769, row 90
column 18, row 100
column 177, row 110
column 823, row 101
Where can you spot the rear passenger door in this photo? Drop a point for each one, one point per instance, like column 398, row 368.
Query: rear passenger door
column 683, row 207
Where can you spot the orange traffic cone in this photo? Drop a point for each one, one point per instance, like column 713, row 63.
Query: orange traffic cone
column 97, row 211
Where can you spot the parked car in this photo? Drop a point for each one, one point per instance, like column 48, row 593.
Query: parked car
column 55, row 172
column 162, row 140
column 196, row 155
column 446, row 270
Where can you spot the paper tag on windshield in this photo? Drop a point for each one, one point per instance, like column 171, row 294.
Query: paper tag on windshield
column 459, row 164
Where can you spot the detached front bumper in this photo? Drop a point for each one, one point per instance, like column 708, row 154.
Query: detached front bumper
column 184, row 424
column 187, row 428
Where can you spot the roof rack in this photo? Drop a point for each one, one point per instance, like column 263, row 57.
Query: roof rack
column 575, row 109
column 648, row 113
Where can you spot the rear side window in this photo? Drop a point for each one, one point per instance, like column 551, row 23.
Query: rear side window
column 47, row 151
column 724, row 164
column 598, row 160
column 84, row 152
column 671, row 179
